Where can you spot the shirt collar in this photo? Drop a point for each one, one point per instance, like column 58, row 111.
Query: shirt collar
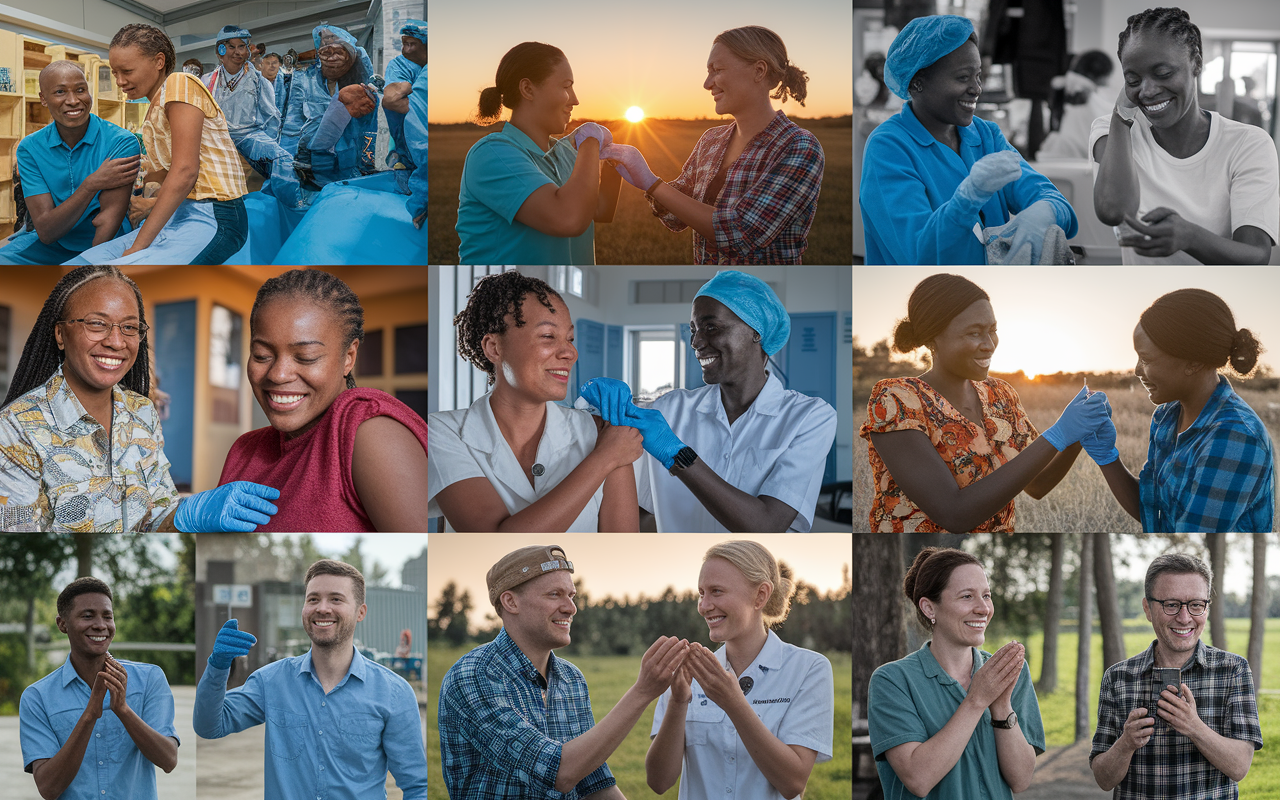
column 932, row 669
column 1217, row 401
column 518, row 661
column 968, row 133
column 90, row 134
column 1147, row 659
column 69, row 675
column 522, row 140
column 66, row 407
column 769, row 657
column 355, row 670
column 768, row 402
column 480, row 428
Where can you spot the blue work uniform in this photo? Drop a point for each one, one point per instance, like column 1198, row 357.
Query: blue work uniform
column 113, row 767
column 910, row 211
column 500, row 172
column 415, row 129
column 48, row 166
column 400, row 70
column 281, row 91
column 248, row 101
column 337, row 745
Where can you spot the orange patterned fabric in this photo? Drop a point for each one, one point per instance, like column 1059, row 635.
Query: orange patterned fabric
column 970, row 451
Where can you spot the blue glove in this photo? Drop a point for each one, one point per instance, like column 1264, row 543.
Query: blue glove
column 990, row 174
column 592, row 130
column 1100, row 444
column 231, row 642
column 1028, row 229
column 659, row 440
column 238, row 506
column 1083, row 415
column 630, row 165
column 332, row 124
column 612, row 398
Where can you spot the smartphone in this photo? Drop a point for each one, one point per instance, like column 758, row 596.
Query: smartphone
column 1163, row 677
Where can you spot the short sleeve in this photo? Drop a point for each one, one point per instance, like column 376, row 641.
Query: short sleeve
column 449, row 461
column 124, row 146
column 795, row 477
column 21, row 470
column 183, row 87
column 33, row 182
column 35, row 731
column 1100, row 128
column 164, row 495
column 894, row 406
column 892, row 718
column 785, row 190
column 810, row 718
column 1242, row 707
column 1255, row 185
column 1110, row 718
column 158, row 710
column 501, row 176
column 1028, row 708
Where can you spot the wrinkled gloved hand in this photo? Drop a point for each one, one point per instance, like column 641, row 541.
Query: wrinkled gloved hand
column 990, row 174
column 1100, row 443
column 231, row 642
column 612, row 398
column 592, row 130
column 1083, row 415
column 239, row 506
column 630, row 165
column 358, row 98
column 659, row 440
column 335, row 120
column 1027, row 229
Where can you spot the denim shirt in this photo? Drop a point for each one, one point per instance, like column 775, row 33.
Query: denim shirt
column 335, row 746
column 113, row 767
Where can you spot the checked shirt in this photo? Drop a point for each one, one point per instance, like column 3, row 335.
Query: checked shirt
column 769, row 198
column 499, row 738
column 1169, row 766
column 1218, row 475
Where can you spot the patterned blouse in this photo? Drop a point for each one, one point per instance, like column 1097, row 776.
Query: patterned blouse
column 969, row 450
column 221, row 176
column 769, row 198
column 60, row 474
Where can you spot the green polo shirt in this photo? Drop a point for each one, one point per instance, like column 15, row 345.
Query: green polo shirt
column 501, row 171
column 912, row 699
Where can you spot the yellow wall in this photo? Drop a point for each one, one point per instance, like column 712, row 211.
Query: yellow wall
column 389, row 312
column 24, row 290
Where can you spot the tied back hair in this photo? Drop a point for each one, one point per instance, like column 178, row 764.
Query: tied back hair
column 934, row 302
column 1172, row 21
column 324, row 289
column 1198, row 326
column 149, row 39
column 41, row 356
column 756, row 43
column 533, row 60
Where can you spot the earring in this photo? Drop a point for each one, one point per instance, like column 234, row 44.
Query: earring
column 932, row 621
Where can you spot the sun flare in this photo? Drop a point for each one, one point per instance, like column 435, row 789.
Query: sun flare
column 635, row 114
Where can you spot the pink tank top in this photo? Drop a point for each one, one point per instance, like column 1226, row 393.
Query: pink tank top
column 313, row 471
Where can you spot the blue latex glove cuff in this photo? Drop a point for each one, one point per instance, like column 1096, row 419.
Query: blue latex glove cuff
column 659, row 440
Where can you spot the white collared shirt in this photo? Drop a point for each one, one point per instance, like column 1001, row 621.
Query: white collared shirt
column 466, row 443
column 777, row 448
column 793, row 694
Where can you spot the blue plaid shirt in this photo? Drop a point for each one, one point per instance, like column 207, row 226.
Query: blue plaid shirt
column 1169, row 766
column 499, row 737
column 1218, row 475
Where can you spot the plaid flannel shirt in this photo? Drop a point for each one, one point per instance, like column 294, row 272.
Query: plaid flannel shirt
column 1218, row 475
column 769, row 198
column 499, row 738
column 1169, row 766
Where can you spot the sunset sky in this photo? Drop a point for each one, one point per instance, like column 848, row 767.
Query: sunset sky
column 1071, row 319
column 652, row 54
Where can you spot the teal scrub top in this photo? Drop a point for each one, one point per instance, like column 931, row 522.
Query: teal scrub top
column 912, row 699
column 501, row 171
column 910, row 212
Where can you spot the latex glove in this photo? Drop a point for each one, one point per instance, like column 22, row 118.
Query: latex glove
column 659, row 440
column 990, row 174
column 335, row 120
column 1028, row 229
column 231, row 642
column 1083, row 415
column 1100, row 444
column 630, row 165
column 591, row 130
column 612, row 397
column 239, row 506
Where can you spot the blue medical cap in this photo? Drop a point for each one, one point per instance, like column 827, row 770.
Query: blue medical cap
column 344, row 38
column 754, row 303
column 415, row 28
column 921, row 43
column 230, row 32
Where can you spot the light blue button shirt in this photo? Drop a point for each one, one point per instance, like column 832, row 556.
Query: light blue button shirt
column 335, row 746
column 113, row 767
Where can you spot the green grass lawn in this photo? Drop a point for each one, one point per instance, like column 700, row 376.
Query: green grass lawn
column 608, row 678
column 1058, row 709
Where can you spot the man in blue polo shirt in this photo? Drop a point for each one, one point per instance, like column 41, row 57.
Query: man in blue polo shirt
column 402, row 71
column 76, row 174
column 96, row 727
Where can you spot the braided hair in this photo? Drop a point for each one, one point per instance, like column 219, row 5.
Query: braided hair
column 41, row 356
column 149, row 39
column 491, row 300
column 1171, row 21
column 324, row 289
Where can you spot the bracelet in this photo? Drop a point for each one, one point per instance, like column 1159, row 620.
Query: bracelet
column 1126, row 113
column 649, row 192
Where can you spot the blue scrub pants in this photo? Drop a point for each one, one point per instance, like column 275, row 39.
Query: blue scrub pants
column 26, row 248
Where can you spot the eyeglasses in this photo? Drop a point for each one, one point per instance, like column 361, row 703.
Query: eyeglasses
column 97, row 329
column 1174, row 607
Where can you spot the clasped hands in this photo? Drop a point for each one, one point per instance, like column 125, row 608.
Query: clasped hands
column 112, row 679
column 718, row 683
column 627, row 160
column 992, row 685
column 1087, row 420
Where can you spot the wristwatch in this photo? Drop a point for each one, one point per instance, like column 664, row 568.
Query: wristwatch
column 1006, row 723
column 682, row 459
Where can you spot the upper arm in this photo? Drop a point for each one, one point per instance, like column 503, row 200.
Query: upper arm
column 795, row 477
column 186, row 122
column 503, row 179
column 389, row 467
column 542, row 211
column 1099, row 149
column 114, row 201
column 611, row 793
column 158, row 709
column 1227, row 474
column 35, row 732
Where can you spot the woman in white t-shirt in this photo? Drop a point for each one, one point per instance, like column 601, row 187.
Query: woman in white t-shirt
column 1183, row 185
column 516, row 460
column 756, row 729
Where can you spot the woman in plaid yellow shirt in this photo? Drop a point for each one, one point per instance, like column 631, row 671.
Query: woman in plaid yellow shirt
column 198, row 216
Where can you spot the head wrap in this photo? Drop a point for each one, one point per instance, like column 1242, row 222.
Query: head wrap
column 754, row 303
column 333, row 32
column 922, row 43
column 415, row 28
column 230, row 32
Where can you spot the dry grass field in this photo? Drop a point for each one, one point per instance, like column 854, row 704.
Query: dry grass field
column 1081, row 502
column 635, row 236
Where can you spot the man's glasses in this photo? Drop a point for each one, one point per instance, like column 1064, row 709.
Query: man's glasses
column 97, row 329
column 1174, row 607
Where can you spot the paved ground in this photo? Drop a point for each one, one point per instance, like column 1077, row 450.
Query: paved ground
column 177, row 785
column 1062, row 773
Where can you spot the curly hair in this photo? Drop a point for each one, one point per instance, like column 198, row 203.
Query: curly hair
column 490, row 301
column 149, row 39
column 1173, row 21
column 324, row 289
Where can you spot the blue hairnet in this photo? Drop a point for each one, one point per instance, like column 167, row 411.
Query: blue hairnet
column 754, row 303
column 344, row 38
column 415, row 28
column 230, row 32
column 921, row 43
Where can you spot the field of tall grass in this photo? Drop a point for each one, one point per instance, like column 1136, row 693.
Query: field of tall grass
column 635, row 236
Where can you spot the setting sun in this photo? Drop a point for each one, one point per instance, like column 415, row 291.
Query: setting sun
column 635, row 114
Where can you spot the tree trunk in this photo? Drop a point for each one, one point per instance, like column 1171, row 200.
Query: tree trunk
column 1108, row 604
column 84, row 554
column 1083, row 712
column 1049, row 657
column 878, row 626
column 1217, row 544
column 30, row 631
column 1258, row 608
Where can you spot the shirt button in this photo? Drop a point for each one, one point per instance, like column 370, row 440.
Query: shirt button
column 322, row 767
column 99, row 763
column 322, row 704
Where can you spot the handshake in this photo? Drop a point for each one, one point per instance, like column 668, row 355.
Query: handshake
column 1087, row 420
column 627, row 160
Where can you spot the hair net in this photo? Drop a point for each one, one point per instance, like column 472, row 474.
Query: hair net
column 754, row 303
column 230, row 32
column 921, row 43
column 334, row 35
column 415, row 28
